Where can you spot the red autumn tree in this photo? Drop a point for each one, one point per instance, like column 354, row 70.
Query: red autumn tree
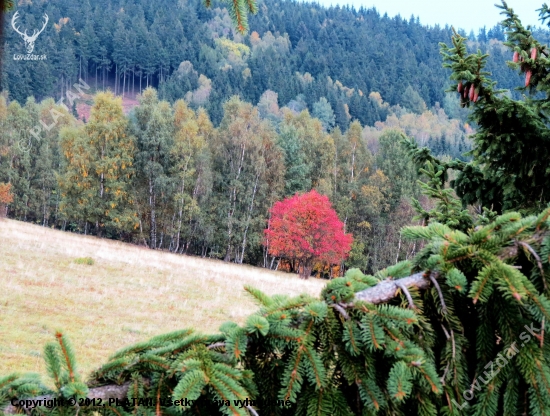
column 5, row 196
column 305, row 229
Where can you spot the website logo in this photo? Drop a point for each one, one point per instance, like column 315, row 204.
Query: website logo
column 29, row 40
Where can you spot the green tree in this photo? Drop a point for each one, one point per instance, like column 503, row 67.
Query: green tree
column 511, row 151
column 98, row 168
column 323, row 111
column 297, row 169
column 192, row 171
column 317, row 145
column 393, row 160
column 155, row 130
column 412, row 100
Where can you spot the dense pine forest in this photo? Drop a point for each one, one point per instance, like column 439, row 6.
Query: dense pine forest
column 224, row 124
column 301, row 51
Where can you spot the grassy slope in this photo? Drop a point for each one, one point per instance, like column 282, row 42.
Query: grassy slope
column 128, row 295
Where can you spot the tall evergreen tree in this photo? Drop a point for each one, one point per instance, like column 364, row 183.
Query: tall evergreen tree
column 510, row 166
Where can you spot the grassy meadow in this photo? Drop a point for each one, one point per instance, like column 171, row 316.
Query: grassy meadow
column 105, row 294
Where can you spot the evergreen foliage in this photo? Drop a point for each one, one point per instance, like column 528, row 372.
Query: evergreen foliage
column 294, row 49
column 337, row 355
column 511, row 145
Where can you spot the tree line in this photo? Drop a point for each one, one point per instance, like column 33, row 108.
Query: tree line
column 165, row 177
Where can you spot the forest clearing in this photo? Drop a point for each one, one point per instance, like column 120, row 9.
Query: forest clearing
column 129, row 294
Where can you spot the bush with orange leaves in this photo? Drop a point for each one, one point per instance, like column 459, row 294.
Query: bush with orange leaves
column 6, row 197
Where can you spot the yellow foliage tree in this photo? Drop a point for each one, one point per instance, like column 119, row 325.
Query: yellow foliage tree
column 99, row 165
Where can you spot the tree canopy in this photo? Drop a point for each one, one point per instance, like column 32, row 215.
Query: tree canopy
column 304, row 229
column 511, row 146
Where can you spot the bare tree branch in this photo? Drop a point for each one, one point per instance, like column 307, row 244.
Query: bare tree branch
column 216, row 345
column 406, row 292
column 434, row 281
column 387, row 290
column 537, row 258
column 251, row 410
column 341, row 309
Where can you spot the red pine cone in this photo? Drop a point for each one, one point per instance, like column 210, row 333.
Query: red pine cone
column 515, row 58
column 466, row 91
column 527, row 77
column 459, row 87
column 534, row 53
column 471, row 94
column 476, row 94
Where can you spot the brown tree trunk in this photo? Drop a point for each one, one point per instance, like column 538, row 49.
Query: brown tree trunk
column 307, row 267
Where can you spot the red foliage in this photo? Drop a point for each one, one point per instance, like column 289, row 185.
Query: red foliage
column 305, row 228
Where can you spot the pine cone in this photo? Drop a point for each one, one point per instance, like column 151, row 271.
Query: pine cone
column 471, row 94
column 459, row 87
column 515, row 58
column 527, row 77
column 476, row 94
column 534, row 53
column 466, row 91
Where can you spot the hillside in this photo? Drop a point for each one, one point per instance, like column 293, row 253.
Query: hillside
column 129, row 294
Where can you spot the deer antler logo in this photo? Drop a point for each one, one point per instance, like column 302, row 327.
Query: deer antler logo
column 29, row 40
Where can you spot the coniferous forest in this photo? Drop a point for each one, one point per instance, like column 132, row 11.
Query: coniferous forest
column 303, row 52
column 423, row 153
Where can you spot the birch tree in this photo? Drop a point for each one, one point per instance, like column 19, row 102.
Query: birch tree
column 191, row 171
column 99, row 167
column 248, row 166
column 155, row 139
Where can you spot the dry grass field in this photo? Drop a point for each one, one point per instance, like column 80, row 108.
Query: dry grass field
column 128, row 295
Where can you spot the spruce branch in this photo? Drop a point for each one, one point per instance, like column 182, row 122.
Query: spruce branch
column 388, row 289
column 294, row 327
